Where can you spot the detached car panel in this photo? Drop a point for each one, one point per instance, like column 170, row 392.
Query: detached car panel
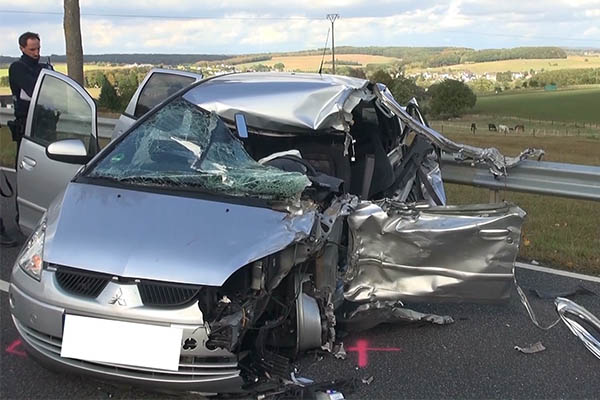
column 331, row 208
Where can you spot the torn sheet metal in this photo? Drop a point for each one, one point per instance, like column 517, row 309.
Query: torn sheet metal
column 283, row 102
column 366, row 316
column 581, row 322
column 450, row 253
column 497, row 162
column 531, row 349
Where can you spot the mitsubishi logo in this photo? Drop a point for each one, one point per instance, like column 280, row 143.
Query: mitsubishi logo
column 118, row 298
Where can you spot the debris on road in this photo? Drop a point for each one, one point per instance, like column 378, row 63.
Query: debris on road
column 329, row 395
column 531, row 349
column 339, row 351
column 581, row 322
column 367, row 381
column 542, row 294
column 368, row 315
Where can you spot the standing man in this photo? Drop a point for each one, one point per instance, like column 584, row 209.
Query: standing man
column 22, row 76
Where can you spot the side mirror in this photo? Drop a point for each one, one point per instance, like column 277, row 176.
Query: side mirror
column 70, row 151
column 240, row 126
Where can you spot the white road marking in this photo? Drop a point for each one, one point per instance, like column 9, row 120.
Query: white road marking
column 558, row 272
column 4, row 286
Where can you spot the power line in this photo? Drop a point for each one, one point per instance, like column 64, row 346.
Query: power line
column 163, row 16
column 481, row 33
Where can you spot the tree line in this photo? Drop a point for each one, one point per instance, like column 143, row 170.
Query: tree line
column 566, row 77
column 461, row 56
column 424, row 56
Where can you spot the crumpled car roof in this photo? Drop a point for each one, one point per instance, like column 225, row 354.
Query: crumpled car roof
column 283, row 102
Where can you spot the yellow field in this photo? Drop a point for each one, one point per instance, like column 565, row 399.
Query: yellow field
column 94, row 92
column 311, row 63
column 62, row 67
column 521, row 65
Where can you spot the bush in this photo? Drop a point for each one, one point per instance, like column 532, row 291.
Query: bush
column 108, row 96
column 450, row 98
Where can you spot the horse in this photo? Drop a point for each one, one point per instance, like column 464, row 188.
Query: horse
column 519, row 128
column 503, row 128
column 473, row 128
column 492, row 127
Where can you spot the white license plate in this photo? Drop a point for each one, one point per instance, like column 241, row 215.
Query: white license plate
column 118, row 342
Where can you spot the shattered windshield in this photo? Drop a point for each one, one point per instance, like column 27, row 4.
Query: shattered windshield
column 184, row 146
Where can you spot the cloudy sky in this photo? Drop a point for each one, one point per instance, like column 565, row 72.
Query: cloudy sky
column 251, row 26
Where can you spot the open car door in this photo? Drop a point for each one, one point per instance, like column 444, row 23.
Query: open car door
column 157, row 86
column 61, row 111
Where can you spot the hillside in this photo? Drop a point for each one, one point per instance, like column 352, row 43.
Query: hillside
column 426, row 56
column 570, row 62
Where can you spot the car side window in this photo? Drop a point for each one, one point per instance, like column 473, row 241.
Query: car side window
column 158, row 88
column 61, row 113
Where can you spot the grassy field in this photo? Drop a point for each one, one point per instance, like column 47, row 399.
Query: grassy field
column 62, row 67
column 563, row 105
column 548, row 64
column 312, row 63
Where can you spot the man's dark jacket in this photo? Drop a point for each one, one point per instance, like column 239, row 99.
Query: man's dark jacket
column 22, row 76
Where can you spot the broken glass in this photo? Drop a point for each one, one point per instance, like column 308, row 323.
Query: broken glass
column 184, row 146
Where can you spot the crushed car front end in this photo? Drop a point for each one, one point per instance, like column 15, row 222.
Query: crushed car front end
column 206, row 270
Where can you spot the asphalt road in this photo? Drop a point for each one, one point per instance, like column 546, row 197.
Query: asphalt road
column 473, row 358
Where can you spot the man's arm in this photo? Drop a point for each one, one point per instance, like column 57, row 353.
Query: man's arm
column 19, row 78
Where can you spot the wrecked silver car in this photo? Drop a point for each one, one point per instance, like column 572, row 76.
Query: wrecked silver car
column 186, row 256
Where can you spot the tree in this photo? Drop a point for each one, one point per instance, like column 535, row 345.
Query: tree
column 108, row 96
column 451, row 98
column 127, row 85
column 279, row 66
column 73, row 40
column 482, row 85
column 402, row 88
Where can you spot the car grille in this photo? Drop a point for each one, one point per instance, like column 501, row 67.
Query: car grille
column 160, row 294
column 191, row 369
column 156, row 294
column 81, row 283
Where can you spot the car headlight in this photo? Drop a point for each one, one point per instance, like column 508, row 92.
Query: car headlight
column 31, row 257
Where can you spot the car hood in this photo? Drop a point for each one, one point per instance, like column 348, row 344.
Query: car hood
column 163, row 237
column 283, row 102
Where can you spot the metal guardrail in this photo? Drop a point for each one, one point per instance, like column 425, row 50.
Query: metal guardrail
column 105, row 125
column 538, row 177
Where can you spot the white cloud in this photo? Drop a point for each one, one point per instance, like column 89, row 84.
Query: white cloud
column 235, row 26
column 592, row 13
column 594, row 31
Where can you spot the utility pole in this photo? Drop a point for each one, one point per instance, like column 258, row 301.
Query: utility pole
column 73, row 46
column 332, row 18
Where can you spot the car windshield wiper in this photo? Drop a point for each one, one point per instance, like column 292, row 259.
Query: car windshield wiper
column 160, row 180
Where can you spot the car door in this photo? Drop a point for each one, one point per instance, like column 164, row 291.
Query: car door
column 157, row 86
column 60, row 109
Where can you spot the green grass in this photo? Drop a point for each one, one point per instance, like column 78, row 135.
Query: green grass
column 564, row 105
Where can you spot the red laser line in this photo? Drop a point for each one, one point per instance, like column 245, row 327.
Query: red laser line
column 12, row 349
column 363, row 349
